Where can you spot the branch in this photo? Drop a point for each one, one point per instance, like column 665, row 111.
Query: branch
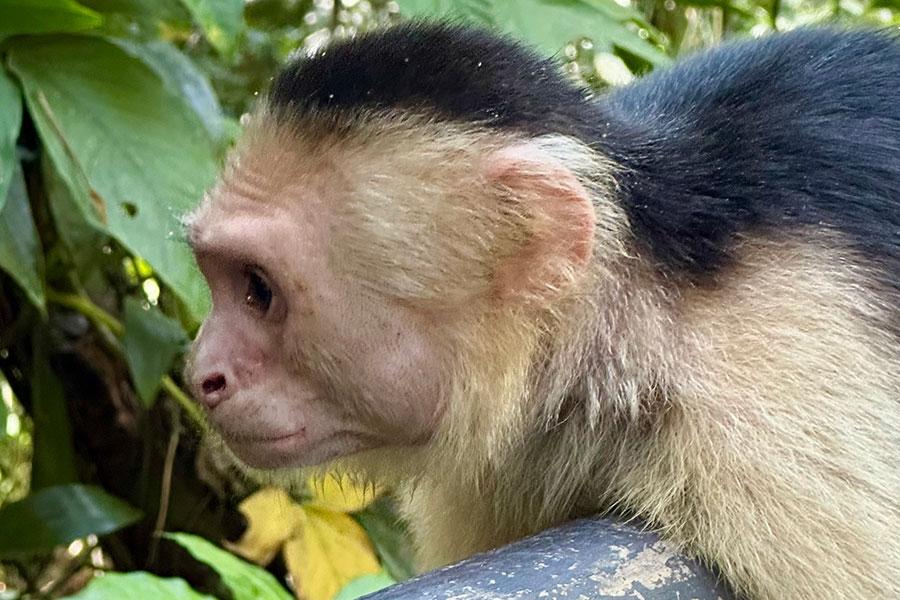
column 774, row 9
column 101, row 318
column 165, row 491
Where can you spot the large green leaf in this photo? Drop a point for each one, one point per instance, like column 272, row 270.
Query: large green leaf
column 53, row 456
column 165, row 10
column 45, row 16
column 183, row 78
column 362, row 586
column 138, row 584
column 221, row 20
column 58, row 515
column 389, row 536
column 475, row 11
column 140, row 19
column 152, row 341
column 20, row 248
column 10, row 122
column 730, row 5
column 246, row 581
column 4, row 409
column 550, row 24
column 134, row 154
column 81, row 232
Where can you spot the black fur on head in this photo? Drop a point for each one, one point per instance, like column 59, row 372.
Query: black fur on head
column 772, row 136
column 443, row 70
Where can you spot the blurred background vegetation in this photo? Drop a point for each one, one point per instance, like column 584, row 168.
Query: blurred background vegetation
column 114, row 117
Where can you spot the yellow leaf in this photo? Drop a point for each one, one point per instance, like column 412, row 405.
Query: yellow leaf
column 340, row 494
column 330, row 550
column 273, row 518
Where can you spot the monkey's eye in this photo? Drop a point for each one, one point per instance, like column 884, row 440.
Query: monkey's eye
column 259, row 294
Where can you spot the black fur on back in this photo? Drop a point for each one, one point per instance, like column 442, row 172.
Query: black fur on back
column 793, row 130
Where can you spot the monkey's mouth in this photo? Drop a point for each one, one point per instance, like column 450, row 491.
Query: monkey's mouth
column 289, row 450
column 243, row 438
column 264, row 451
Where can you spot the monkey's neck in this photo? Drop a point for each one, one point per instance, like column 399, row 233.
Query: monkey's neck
column 563, row 393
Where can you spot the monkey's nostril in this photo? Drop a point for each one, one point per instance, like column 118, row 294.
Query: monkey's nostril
column 214, row 383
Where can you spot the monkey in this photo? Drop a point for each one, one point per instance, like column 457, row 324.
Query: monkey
column 438, row 264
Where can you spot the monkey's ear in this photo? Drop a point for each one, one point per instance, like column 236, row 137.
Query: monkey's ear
column 554, row 237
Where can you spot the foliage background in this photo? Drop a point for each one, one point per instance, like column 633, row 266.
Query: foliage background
column 114, row 117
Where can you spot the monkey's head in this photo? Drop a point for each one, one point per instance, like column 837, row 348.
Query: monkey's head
column 388, row 244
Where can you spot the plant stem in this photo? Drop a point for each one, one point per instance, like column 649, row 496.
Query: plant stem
column 335, row 10
column 184, row 401
column 100, row 317
column 85, row 306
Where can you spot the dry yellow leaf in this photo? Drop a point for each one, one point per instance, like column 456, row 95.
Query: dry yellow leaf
column 323, row 547
column 273, row 518
column 329, row 551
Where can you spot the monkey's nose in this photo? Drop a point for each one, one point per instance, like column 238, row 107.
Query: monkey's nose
column 214, row 390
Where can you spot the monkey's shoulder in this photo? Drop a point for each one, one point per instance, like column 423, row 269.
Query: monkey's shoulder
column 823, row 70
column 791, row 131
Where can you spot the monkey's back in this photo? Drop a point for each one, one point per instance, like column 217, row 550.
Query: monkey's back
column 764, row 137
column 763, row 180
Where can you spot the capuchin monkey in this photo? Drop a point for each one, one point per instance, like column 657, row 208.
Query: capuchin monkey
column 438, row 264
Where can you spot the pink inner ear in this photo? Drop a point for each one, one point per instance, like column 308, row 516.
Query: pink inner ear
column 563, row 238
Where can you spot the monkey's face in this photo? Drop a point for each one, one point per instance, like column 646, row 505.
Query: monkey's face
column 296, row 364
column 364, row 287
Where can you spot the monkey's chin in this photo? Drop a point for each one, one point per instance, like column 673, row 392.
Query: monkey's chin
column 293, row 450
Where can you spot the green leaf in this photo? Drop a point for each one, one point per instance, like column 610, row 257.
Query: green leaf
column 389, row 536
column 20, row 248
column 366, row 584
column 475, row 11
column 81, row 233
column 45, row 16
column 182, row 78
column 152, row 341
column 58, row 515
column 165, row 10
column 4, row 409
column 138, row 584
column 134, row 155
column 221, row 20
column 550, row 24
column 723, row 4
column 53, row 457
column 10, row 122
column 141, row 19
column 246, row 581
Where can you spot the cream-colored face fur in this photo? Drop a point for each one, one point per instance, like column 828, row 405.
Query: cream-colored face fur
column 381, row 254
column 331, row 367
